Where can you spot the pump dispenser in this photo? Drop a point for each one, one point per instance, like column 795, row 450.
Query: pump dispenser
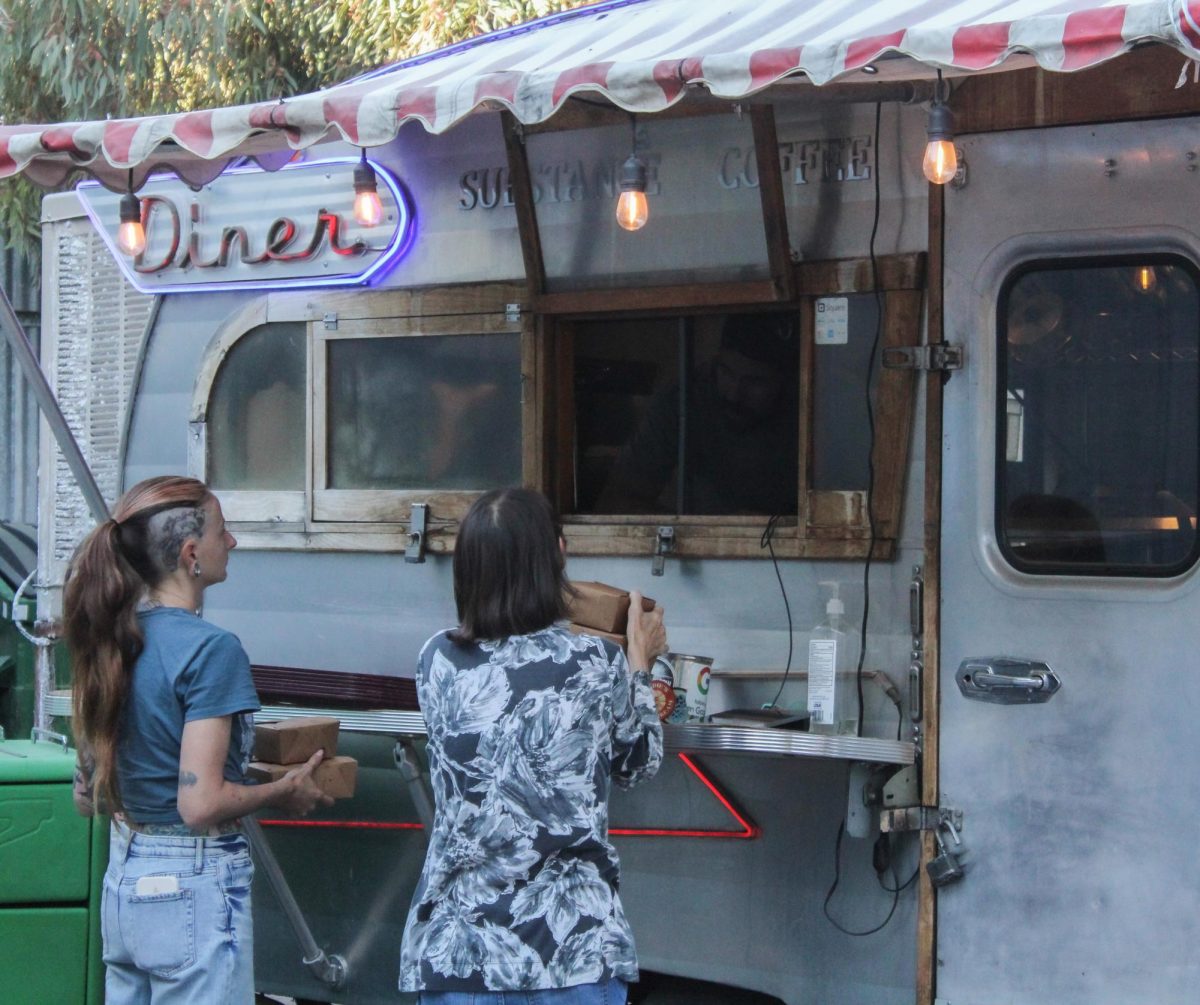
column 832, row 694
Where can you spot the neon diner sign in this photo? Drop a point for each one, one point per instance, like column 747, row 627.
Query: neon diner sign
column 251, row 229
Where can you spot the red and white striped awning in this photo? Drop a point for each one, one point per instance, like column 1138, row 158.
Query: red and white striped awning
column 643, row 55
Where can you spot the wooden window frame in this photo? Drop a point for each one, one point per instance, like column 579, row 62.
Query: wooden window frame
column 828, row 524
column 320, row 519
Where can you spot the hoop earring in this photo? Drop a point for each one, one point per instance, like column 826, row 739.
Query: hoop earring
column 196, row 569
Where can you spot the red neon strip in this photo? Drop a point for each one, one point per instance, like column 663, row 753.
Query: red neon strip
column 749, row 829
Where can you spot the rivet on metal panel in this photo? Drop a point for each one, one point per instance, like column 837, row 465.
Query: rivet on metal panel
column 331, row 321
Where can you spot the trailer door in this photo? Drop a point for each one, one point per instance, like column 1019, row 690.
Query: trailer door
column 1069, row 547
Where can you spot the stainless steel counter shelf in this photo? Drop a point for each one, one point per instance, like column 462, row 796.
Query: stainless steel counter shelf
column 690, row 737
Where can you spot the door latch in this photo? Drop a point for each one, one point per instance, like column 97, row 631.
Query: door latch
column 664, row 544
column 1003, row 680
column 415, row 552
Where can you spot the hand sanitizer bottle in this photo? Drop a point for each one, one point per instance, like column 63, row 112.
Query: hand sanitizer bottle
column 832, row 694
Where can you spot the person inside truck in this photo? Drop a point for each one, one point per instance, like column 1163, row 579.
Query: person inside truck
column 741, row 427
column 529, row 726
column 163, row 715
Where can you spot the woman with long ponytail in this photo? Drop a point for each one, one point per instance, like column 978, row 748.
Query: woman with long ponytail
column 164, row 707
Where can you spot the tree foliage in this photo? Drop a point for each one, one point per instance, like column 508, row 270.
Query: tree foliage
column 75, row 60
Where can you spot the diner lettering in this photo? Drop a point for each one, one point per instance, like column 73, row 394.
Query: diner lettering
column 281, row 242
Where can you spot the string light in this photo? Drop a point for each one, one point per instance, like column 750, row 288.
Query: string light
column 131, row 234
column 941, row 159
column 368, row 210
column 632, row 209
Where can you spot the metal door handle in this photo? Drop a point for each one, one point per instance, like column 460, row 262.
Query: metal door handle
column 1004, row 680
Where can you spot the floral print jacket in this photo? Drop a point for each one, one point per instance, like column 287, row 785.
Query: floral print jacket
column 519, row 888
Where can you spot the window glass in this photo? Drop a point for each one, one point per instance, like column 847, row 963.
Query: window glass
column 693, row 415
column 845, row 334
column 256, row 414
column 431, row 412
column 1097, row 418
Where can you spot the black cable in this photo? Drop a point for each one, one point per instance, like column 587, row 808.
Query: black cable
column 862, row 648
column 765, row 542
column 862, row 636
column 837, row 875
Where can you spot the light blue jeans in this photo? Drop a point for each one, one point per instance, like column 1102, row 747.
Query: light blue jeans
column 175, row 920
column 611, row 992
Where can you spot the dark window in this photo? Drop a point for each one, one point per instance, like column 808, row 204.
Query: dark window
column 1098, row 422
column 692, row 415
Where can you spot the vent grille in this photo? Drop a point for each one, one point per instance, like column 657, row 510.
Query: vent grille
column 97, row 321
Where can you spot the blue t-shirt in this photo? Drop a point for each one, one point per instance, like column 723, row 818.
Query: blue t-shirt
column 188, row 670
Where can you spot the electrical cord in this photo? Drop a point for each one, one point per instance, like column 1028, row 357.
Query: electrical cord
column 837, row 875
column 862, row 638
column 766, row 542
column 862, row 648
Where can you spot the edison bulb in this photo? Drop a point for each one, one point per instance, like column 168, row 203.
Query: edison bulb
column 632, row 210
column 941, row 161
column 368, row 210
column 131, row 238
column 1146, row 278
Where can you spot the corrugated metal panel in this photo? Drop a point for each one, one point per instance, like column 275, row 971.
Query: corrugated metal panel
column 94, row 325
column 18, row 411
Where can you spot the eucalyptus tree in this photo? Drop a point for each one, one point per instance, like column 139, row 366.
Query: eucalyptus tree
column 74, row 60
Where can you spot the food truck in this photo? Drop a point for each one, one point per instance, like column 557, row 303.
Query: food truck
column 969, row 440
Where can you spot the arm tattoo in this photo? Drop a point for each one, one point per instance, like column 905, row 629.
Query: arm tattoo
column 187, row 779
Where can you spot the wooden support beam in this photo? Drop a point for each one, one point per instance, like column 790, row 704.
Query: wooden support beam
column 522, row 191
column 931, row 615
column 770, row 191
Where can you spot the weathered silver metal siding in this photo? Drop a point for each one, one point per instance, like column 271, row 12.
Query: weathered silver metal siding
column 18, row 412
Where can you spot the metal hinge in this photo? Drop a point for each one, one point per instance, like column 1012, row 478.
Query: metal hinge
column 920, row 818
column 940, row 356
column 512, row 313
column 331, row 321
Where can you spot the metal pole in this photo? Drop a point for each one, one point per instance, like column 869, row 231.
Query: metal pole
column 23, row 353
column 329, row 969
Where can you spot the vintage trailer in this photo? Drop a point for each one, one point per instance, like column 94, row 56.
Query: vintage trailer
column 977, row 421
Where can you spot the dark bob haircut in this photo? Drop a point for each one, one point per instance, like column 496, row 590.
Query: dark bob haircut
column 508, row 567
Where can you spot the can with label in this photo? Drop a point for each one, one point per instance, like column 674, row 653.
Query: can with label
column 691, row 676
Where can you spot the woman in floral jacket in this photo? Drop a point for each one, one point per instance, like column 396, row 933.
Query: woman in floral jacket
column 528, row 726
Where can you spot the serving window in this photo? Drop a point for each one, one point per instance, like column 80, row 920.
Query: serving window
column 720, row 421
column 1099, row 417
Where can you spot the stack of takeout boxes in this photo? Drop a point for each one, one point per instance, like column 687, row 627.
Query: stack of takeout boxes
column 281, row 746
column 599, row 609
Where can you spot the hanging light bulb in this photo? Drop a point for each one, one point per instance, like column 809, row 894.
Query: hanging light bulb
column 632, row 209
column 131, row 235
column 368, row 210
column 941, row 159
column 1145, row 278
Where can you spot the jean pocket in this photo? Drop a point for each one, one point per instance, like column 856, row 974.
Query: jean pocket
column 160, row 931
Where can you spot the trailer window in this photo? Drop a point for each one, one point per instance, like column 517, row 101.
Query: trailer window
column 256, row 416
column 423, row 413
column 1098, row 418
column 721, row 422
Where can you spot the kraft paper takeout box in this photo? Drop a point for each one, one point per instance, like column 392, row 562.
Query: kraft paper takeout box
column 602, row 607
column 294, row 741
column 335, row 776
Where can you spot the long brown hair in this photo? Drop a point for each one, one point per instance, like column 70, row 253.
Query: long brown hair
column 110, row 572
